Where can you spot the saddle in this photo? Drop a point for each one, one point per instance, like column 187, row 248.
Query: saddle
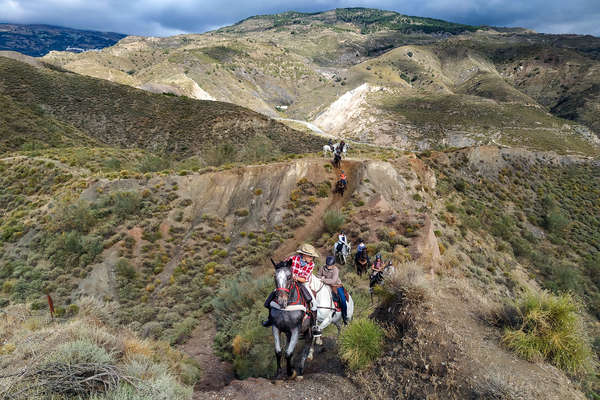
column 336, row 298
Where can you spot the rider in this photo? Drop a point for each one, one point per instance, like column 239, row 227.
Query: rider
column 378, row 264
column 302, row 267
column 330, row 275
column 341, row 147
column 343, row 178
column 361, row 246
column 342, row 241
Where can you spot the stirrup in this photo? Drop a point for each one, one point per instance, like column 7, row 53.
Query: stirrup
column 268, row 322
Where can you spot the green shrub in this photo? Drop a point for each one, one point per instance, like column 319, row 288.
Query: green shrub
column 323, row 189
column 80, row 351
column 361, row 343
column 242, row 212
column 237, row 306
column 550, row 328
column 125, row 203
column 555, row 220
column 125, row 270
column 333, row 219
column 152, row 163
column 182, row 331
column 77, row 216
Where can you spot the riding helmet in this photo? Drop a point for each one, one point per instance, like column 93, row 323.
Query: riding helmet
column 330, row 260
column 378, row 256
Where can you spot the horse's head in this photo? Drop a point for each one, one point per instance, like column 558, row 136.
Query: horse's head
column 283, row 281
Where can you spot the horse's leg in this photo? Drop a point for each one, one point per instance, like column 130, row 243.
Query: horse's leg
column 306, row 350
column 277, row 340
column 338, row 325
column 292, row 341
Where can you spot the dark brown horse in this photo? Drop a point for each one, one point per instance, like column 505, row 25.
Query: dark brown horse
column 337, row 159
column 339, row 187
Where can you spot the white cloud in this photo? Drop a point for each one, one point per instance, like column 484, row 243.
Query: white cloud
column 168, row 17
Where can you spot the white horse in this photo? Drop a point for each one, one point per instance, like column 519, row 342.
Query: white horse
column 326, row 313
column 343, row 255
column 333, row 148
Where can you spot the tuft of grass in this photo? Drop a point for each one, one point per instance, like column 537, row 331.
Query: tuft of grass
column 361, row 343
column 333, row 219
column 549, row 328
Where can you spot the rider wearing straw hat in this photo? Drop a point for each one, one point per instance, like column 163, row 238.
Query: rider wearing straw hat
column 302, row 267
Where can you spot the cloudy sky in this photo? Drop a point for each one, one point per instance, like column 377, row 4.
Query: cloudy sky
column 169, row 17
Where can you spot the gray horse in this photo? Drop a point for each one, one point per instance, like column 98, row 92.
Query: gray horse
column 289, row 317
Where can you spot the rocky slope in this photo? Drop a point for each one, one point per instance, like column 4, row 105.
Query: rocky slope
column 170, row 250
column 439, row 84
column 45, row 107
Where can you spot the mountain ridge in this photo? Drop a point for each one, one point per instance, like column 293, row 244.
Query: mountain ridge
column 305, row 62
column 38, row 39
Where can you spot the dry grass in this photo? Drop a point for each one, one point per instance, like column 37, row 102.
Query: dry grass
column 85, row 357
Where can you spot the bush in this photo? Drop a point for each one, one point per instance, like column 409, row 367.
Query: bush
column 77, row 216
column 556, row 221
column 125, row 203
column 125, row 270
column 333, row 220
column 361, row 343
column 81, row 351
column 153, row 163
column 550, row 329
column 242, row 212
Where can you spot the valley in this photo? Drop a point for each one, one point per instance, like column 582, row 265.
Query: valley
column 144, row 189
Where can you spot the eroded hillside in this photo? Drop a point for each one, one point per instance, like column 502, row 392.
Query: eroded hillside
column 185, row 254
column 46, row 108
column 432, row 84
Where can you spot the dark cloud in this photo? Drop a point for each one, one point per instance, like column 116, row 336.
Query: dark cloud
column 168, row 17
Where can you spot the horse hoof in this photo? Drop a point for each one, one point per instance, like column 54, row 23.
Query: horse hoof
column 299, row 377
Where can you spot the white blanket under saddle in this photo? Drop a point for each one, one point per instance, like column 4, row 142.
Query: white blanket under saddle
column 294, row 307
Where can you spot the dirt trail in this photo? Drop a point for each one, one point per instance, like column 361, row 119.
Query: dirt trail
column 215, row 373
column 314, row 226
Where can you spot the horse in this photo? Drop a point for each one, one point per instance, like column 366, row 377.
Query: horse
column 344, row 150
column 361, row 268
column 327, row 149
column 337, row 159
column 342, row 255
column 339, row 187
column 378, row 277
column 288, row 314
column 326, row 312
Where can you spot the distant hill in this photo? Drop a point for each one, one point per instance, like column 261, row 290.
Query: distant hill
column 378, row 76
column 38, row 40
column 49, row 107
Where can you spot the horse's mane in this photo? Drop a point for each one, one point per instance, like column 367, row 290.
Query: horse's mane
column 315, row 282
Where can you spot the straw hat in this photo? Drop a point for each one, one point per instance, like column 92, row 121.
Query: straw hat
column 308, row 250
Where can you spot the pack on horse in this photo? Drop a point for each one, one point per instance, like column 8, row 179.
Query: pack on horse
column 289, row 314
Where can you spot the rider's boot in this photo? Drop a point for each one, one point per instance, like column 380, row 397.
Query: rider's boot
column 269, row 321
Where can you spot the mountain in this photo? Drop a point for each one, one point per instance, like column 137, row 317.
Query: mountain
column 378, row 77
column 46, row 107
column 38, row 40
column 145, row 223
